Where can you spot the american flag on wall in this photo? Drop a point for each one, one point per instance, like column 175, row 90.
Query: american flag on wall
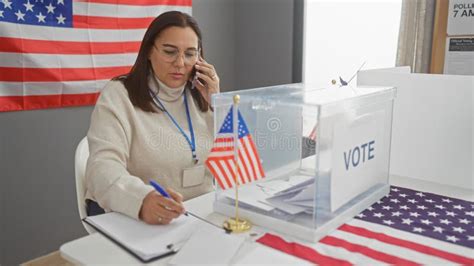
column 407, row 227
column 221, row 162
column 57, row 53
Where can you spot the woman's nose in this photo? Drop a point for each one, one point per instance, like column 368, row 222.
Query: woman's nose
column 179, row 62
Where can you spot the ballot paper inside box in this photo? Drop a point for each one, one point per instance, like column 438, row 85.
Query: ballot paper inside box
column 324, row 153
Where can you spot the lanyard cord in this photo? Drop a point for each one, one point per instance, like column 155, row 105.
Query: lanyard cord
column 191, row 142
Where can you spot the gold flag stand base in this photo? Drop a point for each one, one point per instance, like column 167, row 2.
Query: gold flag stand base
column 237, row 225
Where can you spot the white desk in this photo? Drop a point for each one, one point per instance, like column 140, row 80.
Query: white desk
column 96, row 249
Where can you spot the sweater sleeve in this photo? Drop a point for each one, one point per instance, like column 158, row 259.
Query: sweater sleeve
column 109, row 137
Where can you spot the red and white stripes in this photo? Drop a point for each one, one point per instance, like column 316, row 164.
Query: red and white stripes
column 222, row 165
column 360, row 242
column 44, row 67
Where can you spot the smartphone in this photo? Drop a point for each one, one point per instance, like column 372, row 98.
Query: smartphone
column 195, row 79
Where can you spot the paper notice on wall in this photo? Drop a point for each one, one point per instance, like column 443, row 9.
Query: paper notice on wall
column 459, row 56
column 461, row 17
column 354, row 159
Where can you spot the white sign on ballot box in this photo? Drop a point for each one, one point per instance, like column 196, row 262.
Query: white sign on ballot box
column 354, row 155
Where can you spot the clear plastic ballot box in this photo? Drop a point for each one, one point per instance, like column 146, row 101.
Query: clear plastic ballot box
column 324, row 154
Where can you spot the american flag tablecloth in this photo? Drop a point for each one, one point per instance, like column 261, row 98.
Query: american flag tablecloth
column 407, row 227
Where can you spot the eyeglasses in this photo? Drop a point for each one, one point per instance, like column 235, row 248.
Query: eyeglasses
column 170, row 55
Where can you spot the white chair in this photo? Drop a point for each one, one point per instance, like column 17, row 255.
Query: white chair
column 82, row 153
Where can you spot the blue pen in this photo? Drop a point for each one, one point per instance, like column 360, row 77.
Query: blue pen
column 160, row 189
column 165, row 194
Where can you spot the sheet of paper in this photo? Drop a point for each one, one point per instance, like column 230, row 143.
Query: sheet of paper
column 279, row 203
column 306, row 204
column 208, row 246
column 280, row 185
column 146, row 240
column 251, row 195
column 308, row 180
column 306, row 194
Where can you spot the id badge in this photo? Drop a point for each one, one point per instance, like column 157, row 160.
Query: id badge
column 193, row 176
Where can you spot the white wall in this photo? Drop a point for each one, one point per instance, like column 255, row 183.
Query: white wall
column 432, row 130
column 340, row 35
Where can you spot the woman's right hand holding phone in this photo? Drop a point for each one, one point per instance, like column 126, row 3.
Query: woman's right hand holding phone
column 207, row 73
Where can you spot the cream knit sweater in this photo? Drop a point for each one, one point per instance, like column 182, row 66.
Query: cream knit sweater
column 129, row 146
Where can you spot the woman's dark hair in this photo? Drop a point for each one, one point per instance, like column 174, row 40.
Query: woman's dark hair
column 136, row 81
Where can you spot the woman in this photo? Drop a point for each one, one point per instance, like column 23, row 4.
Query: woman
column 154, row 123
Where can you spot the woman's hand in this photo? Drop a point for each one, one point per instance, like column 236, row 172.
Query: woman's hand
column 206, row 72
column 157, row 209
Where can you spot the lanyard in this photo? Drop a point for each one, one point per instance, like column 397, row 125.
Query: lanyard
column 191, row 142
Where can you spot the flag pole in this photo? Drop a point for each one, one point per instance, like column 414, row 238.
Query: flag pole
column 235, row 115
column 235, row 224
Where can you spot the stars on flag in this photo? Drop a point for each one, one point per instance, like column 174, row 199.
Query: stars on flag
column 41, row 17
column 7, row 4
column 378, row 215
column 412, row 201
column 445, row 221
column 452, row 238
column 427, row 214
column 19, row 15
column 458, row 229
column 29, row 6
column 418, row 229
column 50, row 8
column 426, row 221
column 37, row 12
column 450, row 214
column 396, row 214
column 61, row 19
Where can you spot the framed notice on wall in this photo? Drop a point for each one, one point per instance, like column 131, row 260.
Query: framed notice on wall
column 461, row 17
column 459, row 56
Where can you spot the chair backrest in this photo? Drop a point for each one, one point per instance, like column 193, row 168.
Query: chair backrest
column 82, row 153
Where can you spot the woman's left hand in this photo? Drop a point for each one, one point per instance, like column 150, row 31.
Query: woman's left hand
column 208, row 74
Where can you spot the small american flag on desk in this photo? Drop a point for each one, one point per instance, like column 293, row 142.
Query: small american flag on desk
column 57, row 53
column 221, row 161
